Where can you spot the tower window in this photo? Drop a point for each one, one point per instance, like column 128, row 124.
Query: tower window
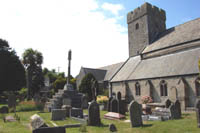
column 163, row 88
column 137, row 26
column 137, row 89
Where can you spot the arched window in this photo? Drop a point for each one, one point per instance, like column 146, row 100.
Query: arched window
column 163, row 88
column 137, row 89
column 197, row 86
column 137, row 26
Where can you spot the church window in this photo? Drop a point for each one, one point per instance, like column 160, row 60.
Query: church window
column 163, row 88
column 197, row 86
column 137, row 26
column 137, row 89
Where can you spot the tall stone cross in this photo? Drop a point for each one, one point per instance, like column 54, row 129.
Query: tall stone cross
column 69, row 65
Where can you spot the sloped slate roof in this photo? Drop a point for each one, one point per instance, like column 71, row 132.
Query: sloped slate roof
column 181, row 63
column 127, row 69
column 182, row 33
column 98, row 73
column 111, row 70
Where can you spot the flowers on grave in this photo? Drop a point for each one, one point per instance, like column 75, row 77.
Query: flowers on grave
column 146, row 99
column 102, row 99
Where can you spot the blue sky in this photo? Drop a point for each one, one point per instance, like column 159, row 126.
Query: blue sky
column 95, row 30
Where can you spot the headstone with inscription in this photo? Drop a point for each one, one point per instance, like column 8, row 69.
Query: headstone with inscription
column 109, row 104
column 178, row 109
column 94, row 114
column 58, row 114
column 37, row 122
column 135, row 111
column 12, row 101
column 114, row 105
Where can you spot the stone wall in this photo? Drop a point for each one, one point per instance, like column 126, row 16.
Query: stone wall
column 182, row 88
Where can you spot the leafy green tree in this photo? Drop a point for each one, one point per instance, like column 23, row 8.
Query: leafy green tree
column 12, row 72
column 32, row 60
column 59, row 83
column 86, row 85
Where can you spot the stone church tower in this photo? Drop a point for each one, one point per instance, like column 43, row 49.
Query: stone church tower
column 144, row 25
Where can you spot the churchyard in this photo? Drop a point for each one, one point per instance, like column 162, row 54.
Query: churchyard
column 187, row 123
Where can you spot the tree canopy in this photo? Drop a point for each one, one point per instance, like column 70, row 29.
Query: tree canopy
column 12, row 72
column 32, row 60
column 86, row 85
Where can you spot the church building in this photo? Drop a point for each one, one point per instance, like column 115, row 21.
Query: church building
column 162, row 63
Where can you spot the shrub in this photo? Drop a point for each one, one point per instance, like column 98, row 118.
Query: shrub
column 146, row 99
column 102, row 99
column 29, row 106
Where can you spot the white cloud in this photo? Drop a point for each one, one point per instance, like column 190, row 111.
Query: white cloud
column 55, row 26
column 113, row 8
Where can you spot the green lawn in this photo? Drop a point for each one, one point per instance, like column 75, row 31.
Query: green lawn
column 187, row 124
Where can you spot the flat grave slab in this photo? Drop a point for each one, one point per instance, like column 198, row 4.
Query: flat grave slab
column 113, row 115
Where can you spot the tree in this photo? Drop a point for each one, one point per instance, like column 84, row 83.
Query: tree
column 32, row 60
column 59, row 83
column 12, row 72
column 86, row 85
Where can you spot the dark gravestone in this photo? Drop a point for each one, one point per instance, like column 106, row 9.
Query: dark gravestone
column 12, row 101
column 50, row 130
column 114, row 105
column 135, row 111
column 77, row 112
column 68, row 110
column 58, row 114
column 121, row 104
column 177, row 109
column 197, row 106
column 4, row 110
column 112, row 128
column 84, row 101
column 109, row 104
column 172, row 111
column 94, row 114
column 122, row 107
column 167, row 103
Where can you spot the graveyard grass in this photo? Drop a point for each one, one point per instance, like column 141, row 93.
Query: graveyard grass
column 188, row 124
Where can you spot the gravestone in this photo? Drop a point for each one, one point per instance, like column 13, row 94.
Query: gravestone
column 121, row 104
column 12, row 101
column 114, row 105
column 37, row 122
column 112, row 128
column 67, row 101
column 135, row 111
column 68, row 110
column 58, row 114
column 109, row 104
column 10, row 119
column 197, row 106
column 84, row 102
column 4, row 110
column 77, row 112
column 94, row 114
column 50, row 130
column 167, row 103
column 177, row 109
column 172, row 111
